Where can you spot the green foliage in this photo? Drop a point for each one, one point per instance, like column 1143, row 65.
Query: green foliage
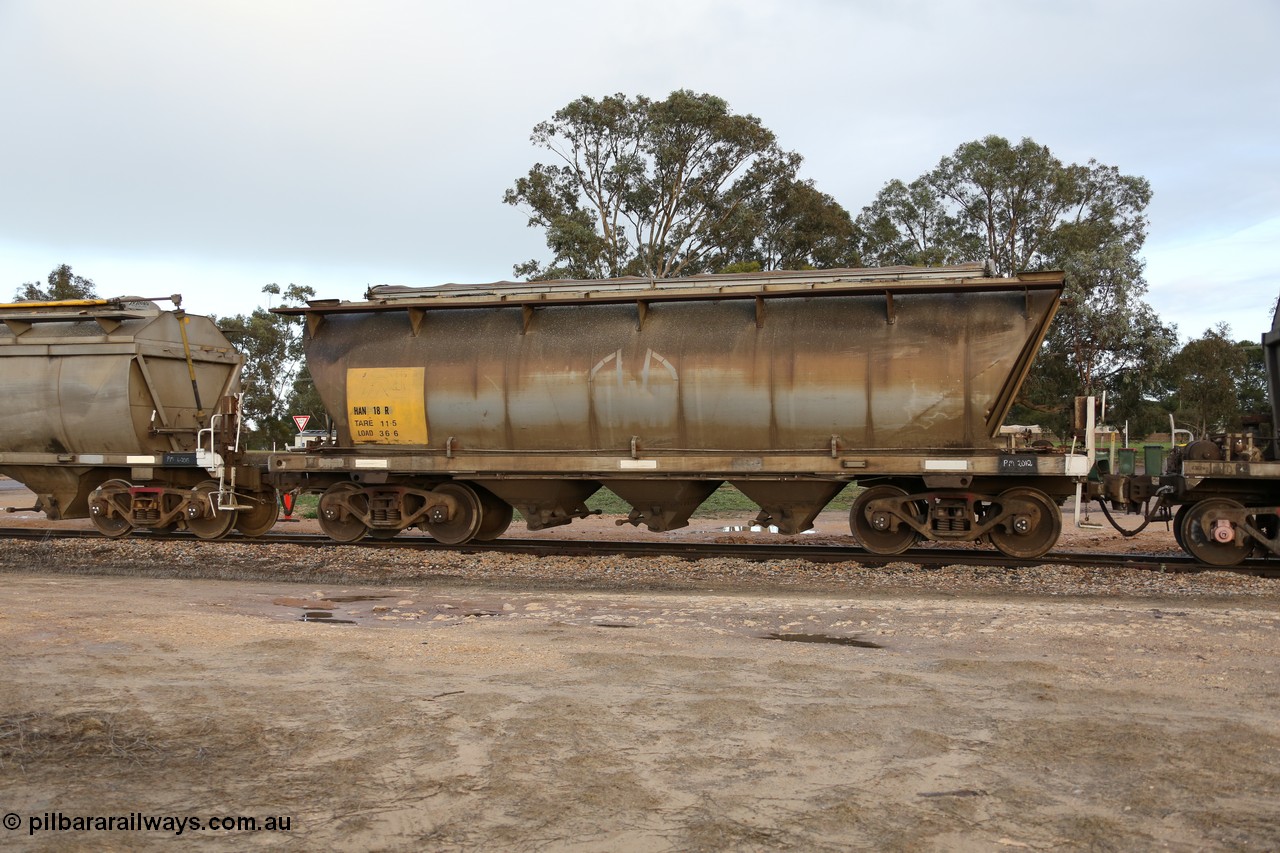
column 1252, row 396
column 670, row 188
column 1209, row 369
column 909, row 224
column 274, row 382
column 61, row 284
column 1025, row 209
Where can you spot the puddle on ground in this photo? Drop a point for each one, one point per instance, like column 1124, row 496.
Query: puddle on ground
column 324, row 616
column 613, row 625
column 823, row 638
column 346, row 599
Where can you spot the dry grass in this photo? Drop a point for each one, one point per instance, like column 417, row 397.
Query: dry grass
column 41, row 737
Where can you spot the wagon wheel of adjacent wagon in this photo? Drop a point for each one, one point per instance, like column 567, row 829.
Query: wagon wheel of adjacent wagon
column 337, row 521
column 214, row 523
column 467, row 519
column 495, row 517
column 1199, row 541
column 262, row 517
column 1032, row 530
column 874, row 528
column 107, row 524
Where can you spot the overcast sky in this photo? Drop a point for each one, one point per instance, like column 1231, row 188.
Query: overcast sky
column 210, row 148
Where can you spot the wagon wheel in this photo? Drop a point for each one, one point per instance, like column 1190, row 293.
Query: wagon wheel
column 496, row 515
column 873, row 528
column 218, row 522
column 261, row 518
column 337, row 521
column 1033, row 531
column 1179, row 518
column 1198, row 541
column 466, row 521
column 113, row 526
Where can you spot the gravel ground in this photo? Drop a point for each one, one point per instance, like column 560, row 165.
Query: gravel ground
column 401, row 700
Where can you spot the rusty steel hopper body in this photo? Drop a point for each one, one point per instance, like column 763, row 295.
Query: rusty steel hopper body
column 786, row 384
column 101, row 389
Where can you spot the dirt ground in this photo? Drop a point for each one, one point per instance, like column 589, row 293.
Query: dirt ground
column 484, row 715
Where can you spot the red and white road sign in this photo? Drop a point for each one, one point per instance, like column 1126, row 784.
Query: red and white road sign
column 300, row 421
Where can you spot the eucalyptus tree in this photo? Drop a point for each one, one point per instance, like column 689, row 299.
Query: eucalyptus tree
column 61, row 284
column 1023, row 208
column 274, row 381
column 670, row 188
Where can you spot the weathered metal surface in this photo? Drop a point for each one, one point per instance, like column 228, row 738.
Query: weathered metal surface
column 1271, row 355
column 88, row 381
column 792, row 362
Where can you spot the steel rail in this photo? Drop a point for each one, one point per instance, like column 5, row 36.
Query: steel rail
column 926, row 557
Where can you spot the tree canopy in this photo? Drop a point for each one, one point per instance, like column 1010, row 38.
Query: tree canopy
column 274, row 382
column 1025, row 209
column 62, row 284
column 670, row 188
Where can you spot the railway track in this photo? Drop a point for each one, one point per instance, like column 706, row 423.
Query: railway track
column 924, row 557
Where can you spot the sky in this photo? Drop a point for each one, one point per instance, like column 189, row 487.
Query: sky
column 211, row 147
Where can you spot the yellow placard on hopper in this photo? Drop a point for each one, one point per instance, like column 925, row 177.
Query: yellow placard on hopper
column 385, row 405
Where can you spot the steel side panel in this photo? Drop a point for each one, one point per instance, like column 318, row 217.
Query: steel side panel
column 700, row 374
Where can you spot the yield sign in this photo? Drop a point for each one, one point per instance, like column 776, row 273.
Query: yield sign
column 300, row 421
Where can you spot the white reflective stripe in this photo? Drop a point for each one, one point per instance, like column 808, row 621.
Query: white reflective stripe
column 633, row 464
column 372, row 463
column 91, row 459
column 946, row 464
column 140, row 460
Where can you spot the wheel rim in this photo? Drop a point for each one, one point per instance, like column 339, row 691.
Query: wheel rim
column 1043, row 524
column 863, row 523
column 1198, row 541
column 261, row 518
column 337, row 521
column 113, row 526
column 1179, row 519
column 465, row 523
column 213, row 526
column 496, row 515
